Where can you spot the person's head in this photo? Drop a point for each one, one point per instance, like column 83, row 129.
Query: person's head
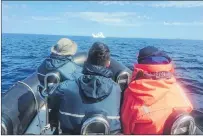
column 64, row 47
column 99, row 54
column 152, row 55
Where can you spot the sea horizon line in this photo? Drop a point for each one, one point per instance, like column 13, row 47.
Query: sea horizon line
column 161, row 38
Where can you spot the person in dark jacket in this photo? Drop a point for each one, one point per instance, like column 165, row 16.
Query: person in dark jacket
column 92, row 93
column 60, row 60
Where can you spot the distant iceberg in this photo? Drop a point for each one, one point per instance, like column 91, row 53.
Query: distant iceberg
column 98, row 35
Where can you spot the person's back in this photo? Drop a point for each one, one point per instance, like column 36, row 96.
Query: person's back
column 60, row 60
column 153, row 94
column 93, row 93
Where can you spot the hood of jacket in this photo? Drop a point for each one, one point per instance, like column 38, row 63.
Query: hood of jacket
column 55, row 61
column 148, row 90
column 96, row 83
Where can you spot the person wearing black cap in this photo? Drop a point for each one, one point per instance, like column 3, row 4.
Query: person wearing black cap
column 93, row 93
column 152, row 95
column 152, row 55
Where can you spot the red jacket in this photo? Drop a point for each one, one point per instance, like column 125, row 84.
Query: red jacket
column 148, row 103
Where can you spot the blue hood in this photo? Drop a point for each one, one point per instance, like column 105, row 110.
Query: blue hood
column 56, row 61
column 96, row 83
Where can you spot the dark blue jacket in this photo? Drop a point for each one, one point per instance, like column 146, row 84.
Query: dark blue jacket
column 93, row 92
column 62, row 64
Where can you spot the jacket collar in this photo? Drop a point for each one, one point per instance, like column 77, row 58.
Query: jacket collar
column 89, row 69
column 154, row 67
column 141, row 70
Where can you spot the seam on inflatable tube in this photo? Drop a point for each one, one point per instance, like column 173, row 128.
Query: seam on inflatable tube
column 41, row 74
column 198, row 110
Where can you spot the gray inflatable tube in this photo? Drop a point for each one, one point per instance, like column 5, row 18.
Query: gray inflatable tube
column 19, row 105
column 22, row 101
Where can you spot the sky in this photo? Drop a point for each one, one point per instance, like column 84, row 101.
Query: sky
column 134, row 19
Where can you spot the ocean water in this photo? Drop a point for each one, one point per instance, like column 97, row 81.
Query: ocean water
column 23, row 53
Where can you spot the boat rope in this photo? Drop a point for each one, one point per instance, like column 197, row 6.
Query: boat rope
column 37, row 106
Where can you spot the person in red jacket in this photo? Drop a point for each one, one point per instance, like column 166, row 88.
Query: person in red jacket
column 152, row 95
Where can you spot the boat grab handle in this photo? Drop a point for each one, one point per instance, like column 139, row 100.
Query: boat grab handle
column 45, row 92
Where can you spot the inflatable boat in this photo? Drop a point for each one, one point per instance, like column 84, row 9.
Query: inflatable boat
column 24, row 106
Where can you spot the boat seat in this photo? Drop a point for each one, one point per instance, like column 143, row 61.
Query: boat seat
column 95, row 124
column 179, row 124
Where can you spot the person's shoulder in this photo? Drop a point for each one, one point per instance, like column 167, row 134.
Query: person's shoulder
column 112, row 81
column 71, row 66
column 67, row 68
column 69, row 63
column 41, row 65
column 104, row 79
column 67, row 85
column 115, row 85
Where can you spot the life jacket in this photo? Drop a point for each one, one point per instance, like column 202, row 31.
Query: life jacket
column 151, row 98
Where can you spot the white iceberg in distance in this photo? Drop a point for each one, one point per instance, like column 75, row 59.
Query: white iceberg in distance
column 98, row 35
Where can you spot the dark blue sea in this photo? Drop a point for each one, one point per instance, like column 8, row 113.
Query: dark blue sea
column 23, row 53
